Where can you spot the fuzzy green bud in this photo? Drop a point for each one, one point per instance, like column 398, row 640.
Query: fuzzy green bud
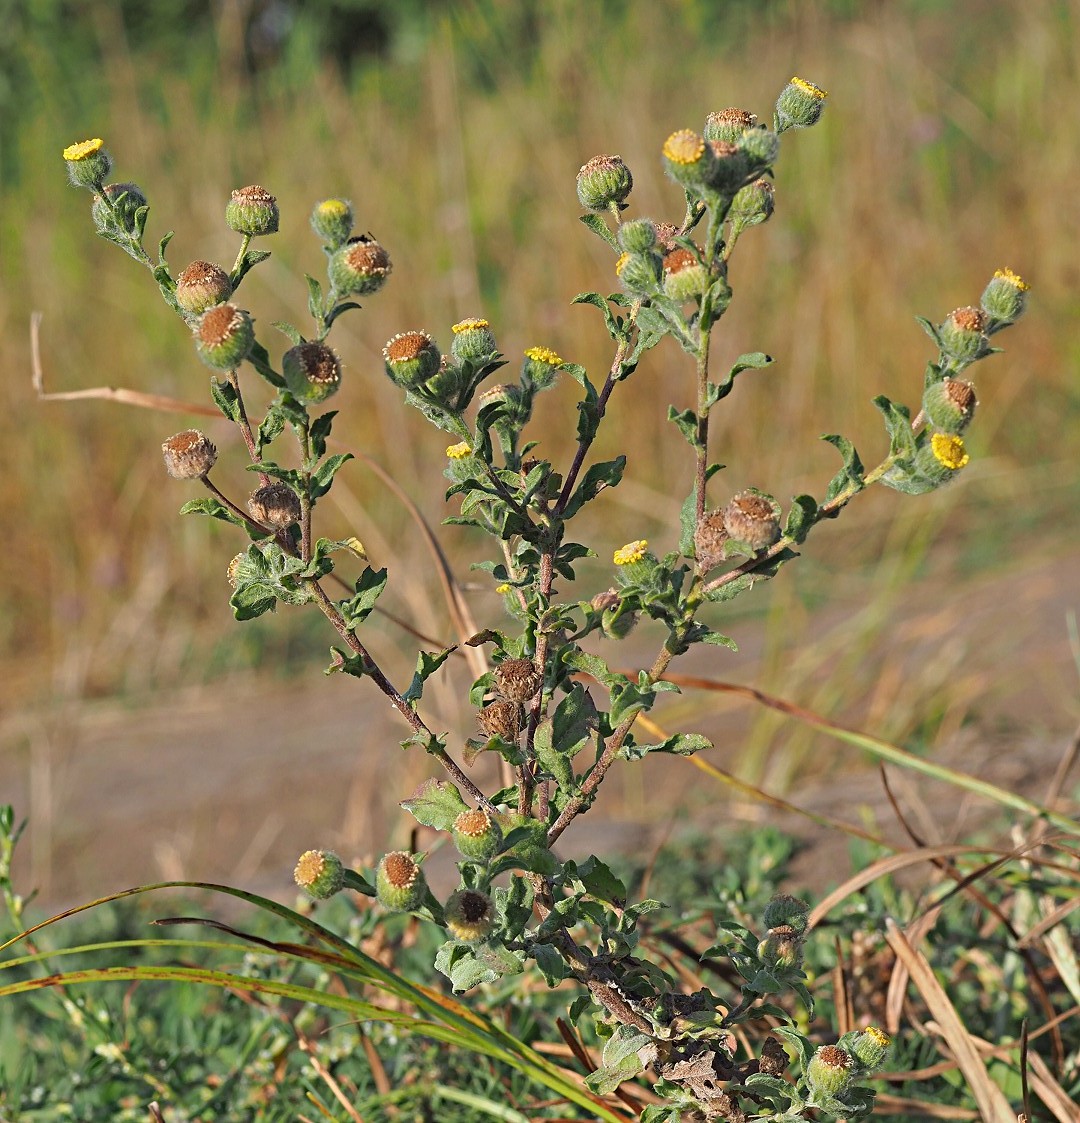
column 618, row 622
column 470, row 915
column 963, row 334
column 312, row 372
column 332, row 220
column 640, row 273
column 728, row 124
column 799, row 105
column 360, row 267
column 189, row 455
column 949, row 405
column 399, row 882
column 518, row 680
column 202, row 285
column 689, row 159
column 753, row 204
column 224, row 335
column 685, row 278
column 752, row 519
column 126, row 199
column 869, row 1047
column 411, row 358
column 446, row 382
column 829, row 1071
column 477, row 836
column 320, row 874
column 473, row 340
column 761, row 147
column 602, row 182
column 275, row 505
column 541, row 368
column 782, row 947
column 729, row 167
column 784, row 909
column 252, row 210
column 1004, row 297
column 87, row 163
column 637, row 236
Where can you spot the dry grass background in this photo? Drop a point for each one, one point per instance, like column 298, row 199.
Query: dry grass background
column 949, row 148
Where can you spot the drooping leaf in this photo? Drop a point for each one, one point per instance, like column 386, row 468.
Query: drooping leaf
column 436, row 803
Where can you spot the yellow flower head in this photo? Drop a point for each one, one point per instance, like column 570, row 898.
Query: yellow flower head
column 83, row 149
column 949, row 451
column 1013, row 278
column 543, row 355
column 809, row 88
column 458, row 451
column 333, row 208
column 632, row 552
column 503, row 589
column 684, row 147
column 620, row 265
column 469, row 324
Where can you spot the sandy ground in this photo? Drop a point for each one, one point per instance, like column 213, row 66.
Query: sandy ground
column 233, row 785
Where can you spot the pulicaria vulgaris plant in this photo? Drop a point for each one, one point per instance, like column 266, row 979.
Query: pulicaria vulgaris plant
column 556, row 713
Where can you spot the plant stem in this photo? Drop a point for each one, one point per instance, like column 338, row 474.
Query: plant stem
column 702, row 438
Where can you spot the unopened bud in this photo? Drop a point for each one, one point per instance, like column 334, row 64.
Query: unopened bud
column 761, row 147
column 360, row 267
column 753, row 204
column 782, row 947
column 252, row 210
column 399, row 882
column 224, row 335
column 799, row 105
column 949, row 405
column 783, row 909
column 752, row 519
column 275, row 505
column 126, row 199
column 1004, row 297
column 518, row 680
column 640, row 273
column 312, row 372
column 189, row 455
column 637, row 235
column 202, row 285
column 603, row 181
column 320, row 873
column 470, row 915
column 477, row 835
column 332, row 220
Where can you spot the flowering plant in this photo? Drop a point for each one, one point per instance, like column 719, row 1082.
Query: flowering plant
column 549, row 706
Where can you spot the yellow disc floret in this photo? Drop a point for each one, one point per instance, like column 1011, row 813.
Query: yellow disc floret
column 949, row 451
column 468, row 325
column 83, row 149
column 544, row 355
column 631, row 553
column 684, row 147
column 810, row 88
column 458, row 451
column 1013, row 278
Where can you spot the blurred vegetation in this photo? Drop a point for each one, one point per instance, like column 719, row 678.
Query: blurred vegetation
column 948, row 150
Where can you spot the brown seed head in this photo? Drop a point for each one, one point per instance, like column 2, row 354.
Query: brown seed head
column 752, row 519
column 834, row 1056
column 500, row 719
column 406, row 346
column 732, row 118
column 723, row 149
column 219, row 324
column 367, row 257
column 189, row 455
column 400, row 869
column 474, row 823
column 253, row 193
column 309, row 868
column 518, row 680
column 969, row 319
column 202, row 285
column 961, row 394
column 678, row 260
column 609, row 598
column 709, row 539
column 275, row 505
column 318, row 363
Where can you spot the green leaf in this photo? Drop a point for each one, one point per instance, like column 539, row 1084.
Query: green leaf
column 681, row 744
column 436, row 803
column 214, row 508
column 851, row 474
column 251, row 601
column 898, row 424
column 315, row 298
column 427, row 663
column 270, row 428
column 259, row 358
column 323, row 476
column 598, row 226
column 686, row 422
column 332, row 315
column 596, row 479
column 552, row 965
column 286, row 329
column 369, row 587
column 621, row 1060
column 614, row 327
column 801, row 518
column 226, row 399
column 752, row 360
column 320, row 430
column 598, row 881
column 930, row 330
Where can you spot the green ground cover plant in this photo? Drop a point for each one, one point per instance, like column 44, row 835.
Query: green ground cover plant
column 657, row 1040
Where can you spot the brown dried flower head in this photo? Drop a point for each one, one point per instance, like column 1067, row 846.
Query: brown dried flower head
column 752, row 519
column 189, row 455
column 275, row 505
column 709, row 540
column 202, row 285
column 518, row 680
column 500, row 719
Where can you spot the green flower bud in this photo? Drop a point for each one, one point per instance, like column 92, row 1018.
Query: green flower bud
column 869, row 1047
column 829, row 1071
column 312, row 372
column 189, row 455
column 320, row 873
column 399, row 882
column 470, row 915
column 685, row 278
column 411, row 358
column 637, row 236
column 784, row 909
column 477, row 836
column 500, row 718
column 640, row 273
column 360, row 267
column 710, row 537
column 252, row 210
column 202, row 285
column 224, row 335
column 87, row 163
column 445, row 383
column 541, row 368
column 753, row 204
column 963, row 334
column 761, row 147
column 1004, row 297
column 949, row 405
column 782, row 947
column 728, row 124
column 729, row 167
column 275, row 505
column 689, row 160
column 332, row 220
column 473, row 340
column 603, row 181
column 518, row 680
column 799, row 105
column 752, row 519
column 618, row 622
column 126, row 199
